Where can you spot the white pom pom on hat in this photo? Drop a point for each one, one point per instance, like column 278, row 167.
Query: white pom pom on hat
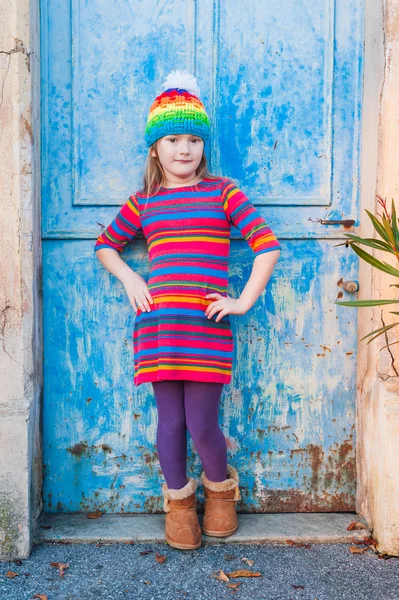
column 182, row 80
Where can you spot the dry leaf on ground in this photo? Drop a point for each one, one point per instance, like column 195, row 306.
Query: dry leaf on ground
column 356, row 550
column 244, row 573
column 160, row 558
column 61, row 567
column 222, row 576
column 11, row 574
column 370, row 541
column 356, row 525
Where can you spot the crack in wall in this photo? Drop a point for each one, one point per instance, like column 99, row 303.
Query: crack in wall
column 5, row 324
column 389, row 350
column 19, row 47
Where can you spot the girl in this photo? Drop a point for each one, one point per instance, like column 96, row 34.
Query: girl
column 182, row 339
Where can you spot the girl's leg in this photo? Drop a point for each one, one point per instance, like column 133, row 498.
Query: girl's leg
column 171, row 431
column 201, row 401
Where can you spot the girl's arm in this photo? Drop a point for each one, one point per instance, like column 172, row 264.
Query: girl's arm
column 135, row 286
column 111, row 243
column 111, row 260
column 261, row 272
column 258, row 234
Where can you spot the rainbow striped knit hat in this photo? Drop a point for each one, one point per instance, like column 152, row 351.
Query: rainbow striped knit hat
column 177, row 109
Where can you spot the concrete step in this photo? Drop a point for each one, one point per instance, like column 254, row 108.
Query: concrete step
column 252, row 528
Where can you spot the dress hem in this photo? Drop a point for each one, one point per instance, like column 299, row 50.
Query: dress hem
column 206, row 377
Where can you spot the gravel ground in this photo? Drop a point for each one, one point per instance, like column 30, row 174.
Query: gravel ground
column 113, row 571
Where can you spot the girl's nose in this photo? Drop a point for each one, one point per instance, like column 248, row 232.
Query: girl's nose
column 184, row 148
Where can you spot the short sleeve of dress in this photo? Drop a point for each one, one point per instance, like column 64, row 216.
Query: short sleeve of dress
column 242, row 214
column 123, row 228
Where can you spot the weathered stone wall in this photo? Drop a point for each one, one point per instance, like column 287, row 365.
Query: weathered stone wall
column 20, row 285
column 377, row 428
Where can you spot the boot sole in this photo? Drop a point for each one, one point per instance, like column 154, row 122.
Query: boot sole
column 183, row 546
column 219, row 533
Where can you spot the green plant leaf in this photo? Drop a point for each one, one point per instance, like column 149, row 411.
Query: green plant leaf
column 366, row 302
column 395, row 224
column 379, row 331
column 382, row 266
column 378, row 334
column 346, row 243
column 369, row 242
column 388, row 229
column 388, row 345
column 377, row 225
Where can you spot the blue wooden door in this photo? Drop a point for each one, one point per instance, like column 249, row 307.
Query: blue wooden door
column 282, row 84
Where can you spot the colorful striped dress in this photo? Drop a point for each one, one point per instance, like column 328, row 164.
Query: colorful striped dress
column 188, row 237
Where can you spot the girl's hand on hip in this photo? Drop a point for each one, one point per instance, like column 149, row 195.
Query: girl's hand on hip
column 226, row 306
column 137, row 292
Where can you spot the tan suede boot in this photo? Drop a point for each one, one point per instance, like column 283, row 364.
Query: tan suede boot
column 220, row 517
column 182, row 528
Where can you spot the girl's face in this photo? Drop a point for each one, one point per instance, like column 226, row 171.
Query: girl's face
column 180, row 154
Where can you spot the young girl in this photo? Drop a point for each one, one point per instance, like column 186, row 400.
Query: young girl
column 182, row 339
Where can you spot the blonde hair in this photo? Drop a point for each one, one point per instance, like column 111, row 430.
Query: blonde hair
column 154, row 175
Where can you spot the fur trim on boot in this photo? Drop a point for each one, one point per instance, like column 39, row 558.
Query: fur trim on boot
column 220, row 517
column 178, row 494
column 182, row 528
column 229, row 483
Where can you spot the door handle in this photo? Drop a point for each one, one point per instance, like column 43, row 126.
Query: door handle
column 344, row 222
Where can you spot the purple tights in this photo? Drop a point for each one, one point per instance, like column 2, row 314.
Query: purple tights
column 194, row 406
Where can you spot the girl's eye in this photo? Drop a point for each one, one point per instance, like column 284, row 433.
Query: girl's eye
column 193, row 140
